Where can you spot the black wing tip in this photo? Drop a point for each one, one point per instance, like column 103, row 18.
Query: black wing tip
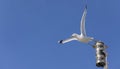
column 61, row 41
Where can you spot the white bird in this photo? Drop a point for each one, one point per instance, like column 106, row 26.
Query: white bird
column 82, row 37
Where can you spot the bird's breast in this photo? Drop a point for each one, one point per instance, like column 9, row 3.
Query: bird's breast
column 84, row 39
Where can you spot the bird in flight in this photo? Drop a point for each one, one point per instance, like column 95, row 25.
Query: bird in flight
column 79, row 37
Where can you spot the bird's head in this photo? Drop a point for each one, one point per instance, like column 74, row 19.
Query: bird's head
column 74, row 35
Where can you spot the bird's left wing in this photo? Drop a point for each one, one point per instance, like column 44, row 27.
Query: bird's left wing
column 67, row 40
column 82, row 27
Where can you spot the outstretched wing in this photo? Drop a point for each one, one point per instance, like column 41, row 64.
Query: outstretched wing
column 83, row 32
column 67, row 40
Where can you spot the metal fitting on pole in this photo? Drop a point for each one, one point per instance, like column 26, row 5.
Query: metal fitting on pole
column 100, row 54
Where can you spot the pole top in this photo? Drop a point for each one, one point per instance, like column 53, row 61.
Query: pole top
column 99, row 43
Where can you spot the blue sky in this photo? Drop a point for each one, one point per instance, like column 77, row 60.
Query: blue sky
column 30, row 29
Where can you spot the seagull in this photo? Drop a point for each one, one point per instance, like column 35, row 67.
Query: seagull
column 79, row 37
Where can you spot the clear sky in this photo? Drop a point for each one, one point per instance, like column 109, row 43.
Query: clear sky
column 30, row 29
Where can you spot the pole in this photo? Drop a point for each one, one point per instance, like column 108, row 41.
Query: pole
column 106, row 66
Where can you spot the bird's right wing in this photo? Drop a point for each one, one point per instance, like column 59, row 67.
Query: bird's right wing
column 82, row 27
column 67, row 40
